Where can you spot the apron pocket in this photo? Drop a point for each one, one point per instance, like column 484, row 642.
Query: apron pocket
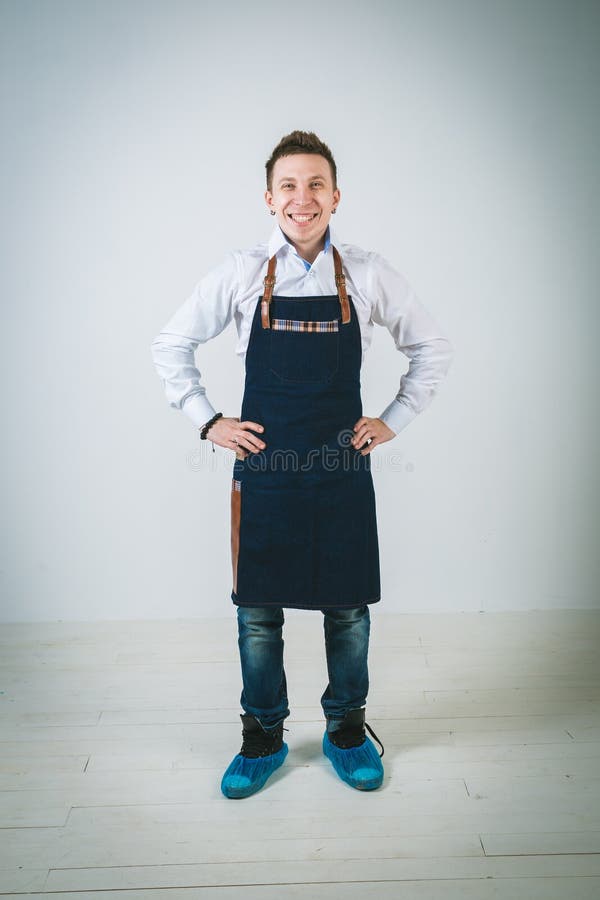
column 304, row 356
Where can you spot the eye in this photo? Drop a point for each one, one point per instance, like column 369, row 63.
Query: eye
column 317, row 184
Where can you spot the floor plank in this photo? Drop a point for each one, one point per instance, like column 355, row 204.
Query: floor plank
column 114, row 738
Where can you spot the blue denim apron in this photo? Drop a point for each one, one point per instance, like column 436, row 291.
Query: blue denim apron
column 303, row 518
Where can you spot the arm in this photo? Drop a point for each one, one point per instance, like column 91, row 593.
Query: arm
column 204, row 315
column 417, row 334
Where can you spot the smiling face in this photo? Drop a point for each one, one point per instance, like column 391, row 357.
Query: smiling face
column 303, row 196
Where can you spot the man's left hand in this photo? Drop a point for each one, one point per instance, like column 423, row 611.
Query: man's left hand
column 374, row 430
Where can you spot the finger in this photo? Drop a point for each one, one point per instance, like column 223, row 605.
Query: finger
column 369, row 448
column 367, row 438
column 247, row 440
column 237, row 446
column 361, row 421
column 255, row 426
column 361, row 435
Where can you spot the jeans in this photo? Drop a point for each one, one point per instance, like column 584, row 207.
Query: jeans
column 260, row 641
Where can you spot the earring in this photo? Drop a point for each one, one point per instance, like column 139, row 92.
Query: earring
column 273, row 213
column 334, row 210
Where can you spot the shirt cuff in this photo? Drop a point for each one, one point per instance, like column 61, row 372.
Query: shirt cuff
column 397, row 415
column 198, row 409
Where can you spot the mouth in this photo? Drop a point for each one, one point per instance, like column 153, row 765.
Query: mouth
column 302, row 218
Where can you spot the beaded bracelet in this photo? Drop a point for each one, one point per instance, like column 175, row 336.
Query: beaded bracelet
column 206, row 427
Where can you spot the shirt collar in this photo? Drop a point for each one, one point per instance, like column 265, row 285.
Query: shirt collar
column 279, row 240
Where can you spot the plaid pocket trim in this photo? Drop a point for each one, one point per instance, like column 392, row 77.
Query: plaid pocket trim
column 299, row 325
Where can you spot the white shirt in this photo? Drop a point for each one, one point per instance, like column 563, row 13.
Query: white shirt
column 380, row 294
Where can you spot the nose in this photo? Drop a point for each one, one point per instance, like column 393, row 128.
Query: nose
column 302, row 196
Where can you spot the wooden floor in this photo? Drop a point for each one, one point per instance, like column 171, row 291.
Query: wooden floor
column 114, row 738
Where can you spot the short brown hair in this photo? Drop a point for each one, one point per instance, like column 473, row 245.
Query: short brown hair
column 300, row 142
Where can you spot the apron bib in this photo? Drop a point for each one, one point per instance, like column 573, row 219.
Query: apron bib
column 303, row 517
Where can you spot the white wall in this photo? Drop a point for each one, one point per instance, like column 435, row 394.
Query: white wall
column 135, row 135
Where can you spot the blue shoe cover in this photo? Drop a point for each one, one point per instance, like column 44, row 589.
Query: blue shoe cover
column 245, row 775
column 360, row 767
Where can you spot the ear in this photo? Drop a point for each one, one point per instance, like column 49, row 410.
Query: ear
column 269, row 199
column 336, row 196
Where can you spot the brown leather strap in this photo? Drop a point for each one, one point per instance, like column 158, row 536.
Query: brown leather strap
column 340, row 280
column 236, row 514
column 269, row 281
column 268, row 293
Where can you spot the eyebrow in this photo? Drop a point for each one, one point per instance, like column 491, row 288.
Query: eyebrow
column 312, row 178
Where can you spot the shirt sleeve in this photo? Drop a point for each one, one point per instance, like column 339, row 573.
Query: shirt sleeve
column 204, row 315
column 416, row 334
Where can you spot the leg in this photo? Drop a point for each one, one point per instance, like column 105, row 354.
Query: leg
column 260, row 641
column 347, row 646
column 264, row 700
column 351, row 752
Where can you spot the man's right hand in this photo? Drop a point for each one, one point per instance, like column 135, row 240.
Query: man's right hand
column 235, row 435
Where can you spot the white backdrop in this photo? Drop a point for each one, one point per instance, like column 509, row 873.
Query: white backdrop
column 135, row 136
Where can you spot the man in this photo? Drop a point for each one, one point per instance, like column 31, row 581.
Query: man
column 303, row 518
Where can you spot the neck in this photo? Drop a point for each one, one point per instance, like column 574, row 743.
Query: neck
column 310, row 251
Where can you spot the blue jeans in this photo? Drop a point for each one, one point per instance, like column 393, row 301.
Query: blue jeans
column 264, row 693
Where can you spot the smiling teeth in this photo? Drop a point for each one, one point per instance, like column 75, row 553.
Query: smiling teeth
column 303, row 218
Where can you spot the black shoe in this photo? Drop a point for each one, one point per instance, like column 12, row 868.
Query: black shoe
column 257, row 740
